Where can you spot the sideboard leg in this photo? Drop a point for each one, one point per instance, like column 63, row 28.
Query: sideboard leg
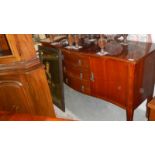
column 129, row 114
column 147, row 109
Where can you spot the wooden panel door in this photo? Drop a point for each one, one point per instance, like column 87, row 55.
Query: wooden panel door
column 117, row 81
column 98, row 77
column 52, row 59
column 14, row 95
column 109, row 80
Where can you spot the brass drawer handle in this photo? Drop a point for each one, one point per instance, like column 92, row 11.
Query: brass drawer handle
column 92, row 76
column 81, row 75
column 67, row 80
column 79, row 62
column 82, row 88
column 64, row 69
column 15, row 108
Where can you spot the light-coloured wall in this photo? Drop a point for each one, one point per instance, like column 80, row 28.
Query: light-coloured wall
column 142, row 37
column 153, row 38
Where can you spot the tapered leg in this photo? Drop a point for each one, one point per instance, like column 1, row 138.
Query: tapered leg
column 129, row 114
column 147, row 109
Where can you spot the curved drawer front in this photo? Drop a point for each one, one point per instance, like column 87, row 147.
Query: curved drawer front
column 77, row 84
column 77, row 72
column 76, row 60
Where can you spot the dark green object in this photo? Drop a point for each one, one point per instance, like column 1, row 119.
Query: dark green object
column 52, row 59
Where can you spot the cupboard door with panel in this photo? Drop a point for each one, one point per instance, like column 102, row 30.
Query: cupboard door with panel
column 109, row 79
column 23, row 85
column 98, row 77
column 14, row 95
column 52, row 59
column 117, row 81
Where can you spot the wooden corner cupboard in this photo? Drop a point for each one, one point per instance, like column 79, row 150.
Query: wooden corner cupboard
column 124, row 77
column 23, row 83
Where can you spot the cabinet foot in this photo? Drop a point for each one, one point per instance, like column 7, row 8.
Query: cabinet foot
column 147, row 109
column 129, row 114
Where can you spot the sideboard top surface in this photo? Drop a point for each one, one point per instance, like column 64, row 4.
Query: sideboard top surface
column 131, row 52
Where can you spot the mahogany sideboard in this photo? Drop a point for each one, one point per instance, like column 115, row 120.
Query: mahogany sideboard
column 124, row 77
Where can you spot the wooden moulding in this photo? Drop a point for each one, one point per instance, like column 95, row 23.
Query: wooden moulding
column 25, row 86
column 20, row 66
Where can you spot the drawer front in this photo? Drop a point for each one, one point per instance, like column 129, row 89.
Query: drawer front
column 76, row 72
column 82, row 86
column 76, row 60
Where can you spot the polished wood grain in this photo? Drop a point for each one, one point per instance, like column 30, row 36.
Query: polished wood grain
column 9, row 116
column 52, row 59
column 133, row 51
column 78, row 84
column 77, row 71
column 109, row 80
column 23, row 84
column 151, row 110
column 125, row 76
column 22, row 44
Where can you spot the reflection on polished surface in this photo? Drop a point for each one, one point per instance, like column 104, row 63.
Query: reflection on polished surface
column 132, row 51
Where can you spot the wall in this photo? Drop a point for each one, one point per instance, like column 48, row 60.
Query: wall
column 142, row 37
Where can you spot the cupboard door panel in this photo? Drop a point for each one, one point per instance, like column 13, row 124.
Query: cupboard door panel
column 52, row 59
column 117, row 80
column 109, row 80
column 14, row 97
column 98, row 77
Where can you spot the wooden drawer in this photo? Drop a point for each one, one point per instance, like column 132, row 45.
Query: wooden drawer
column 77, row 84
column 76, row 60
column 76, row 72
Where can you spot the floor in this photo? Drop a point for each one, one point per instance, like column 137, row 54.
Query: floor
column 86, row 108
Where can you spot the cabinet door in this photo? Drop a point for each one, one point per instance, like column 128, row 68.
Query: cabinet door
column 109, row 79
column 98, row 77
column 14, row 96
column 117, row 81
column 52, row 59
